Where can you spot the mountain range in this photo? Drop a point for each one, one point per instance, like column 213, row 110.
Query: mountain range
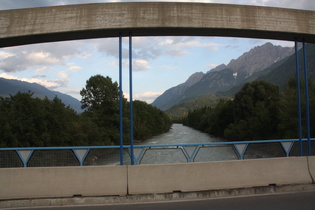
column 11, row 87
column 268, row 62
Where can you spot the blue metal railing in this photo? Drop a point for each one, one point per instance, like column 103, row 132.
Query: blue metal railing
column 88, row 155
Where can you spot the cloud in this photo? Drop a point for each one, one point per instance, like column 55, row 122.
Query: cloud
column 23, row 60
column 74, row 68
column 39, row 76
column 62, row 74
column 43, row 69
column 149, row 96
column 137, row 65
column 301, row 4
column 46, row 83
column 41, row 56
column 5, row 54
column 18, row 4
column 184, row 43
column 140, row 65
column 178, row 46
column 151, row 48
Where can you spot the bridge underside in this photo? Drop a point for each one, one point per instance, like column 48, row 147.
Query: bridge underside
column 74, row 22
column 91, row 34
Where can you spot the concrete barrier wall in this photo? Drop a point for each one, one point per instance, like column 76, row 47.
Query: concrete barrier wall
column 17, row 183
column 311, row 164
column 145, row 179
column 62, row 182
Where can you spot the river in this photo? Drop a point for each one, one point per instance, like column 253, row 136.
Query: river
column 180, row 134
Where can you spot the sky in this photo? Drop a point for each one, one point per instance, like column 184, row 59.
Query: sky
column 159, row 63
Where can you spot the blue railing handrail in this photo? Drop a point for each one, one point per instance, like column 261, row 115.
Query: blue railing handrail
column 240, row 147
column 156, row 145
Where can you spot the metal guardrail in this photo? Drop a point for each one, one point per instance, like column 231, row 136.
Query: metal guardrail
column 147, row 154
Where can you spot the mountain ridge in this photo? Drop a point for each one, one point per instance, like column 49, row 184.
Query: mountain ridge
column 224, row 77
column 11, row 87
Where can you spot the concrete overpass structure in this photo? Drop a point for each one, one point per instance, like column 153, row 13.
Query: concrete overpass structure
column 39, row 25
column 48, row 24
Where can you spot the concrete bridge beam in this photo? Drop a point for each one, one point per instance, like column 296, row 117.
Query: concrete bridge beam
column 73, row 22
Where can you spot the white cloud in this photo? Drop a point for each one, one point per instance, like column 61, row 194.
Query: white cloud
column 39, row 76
column 137, row 65
column 5, row 54
column 41, row 55
column 151, row 48
column 62, row 74
column 140, row 65
column 16, row 4
column 7, row 76
column 195, row 43
column 74, row 68
column 178, row 46
column 149, row 96
column 46, row 83
column 43, row 69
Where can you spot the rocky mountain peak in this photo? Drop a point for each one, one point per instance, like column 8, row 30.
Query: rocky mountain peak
column 259, row 58
column 193, row 79
column 223, row 77
column 218, row 68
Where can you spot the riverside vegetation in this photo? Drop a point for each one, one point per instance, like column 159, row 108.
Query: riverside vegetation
column 258, row 111
column 27, row 121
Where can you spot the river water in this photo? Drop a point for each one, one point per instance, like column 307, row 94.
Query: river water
column 180, row 134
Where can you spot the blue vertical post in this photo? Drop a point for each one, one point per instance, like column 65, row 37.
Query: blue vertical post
column 307, row 102
column 121, row 139
column 298, row 97
column 131, row 103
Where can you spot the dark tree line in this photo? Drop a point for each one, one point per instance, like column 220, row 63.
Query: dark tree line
column 258, row 111
column 27, row 121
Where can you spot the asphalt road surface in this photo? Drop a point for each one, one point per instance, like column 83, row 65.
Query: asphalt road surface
column 287, row 201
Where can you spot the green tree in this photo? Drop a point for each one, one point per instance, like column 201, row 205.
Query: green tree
column 100, row 93
column 288, row 127
column 149, row 121
column 100, row 99
column 256, row 112
column 28, row 121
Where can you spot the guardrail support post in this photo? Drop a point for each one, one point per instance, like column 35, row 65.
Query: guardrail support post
column 298, row 96
column 307, row 102
column 121, row 103
column 130, row 100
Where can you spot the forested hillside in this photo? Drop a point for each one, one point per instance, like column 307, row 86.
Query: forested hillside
column 28, row 121
column 259, row 111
